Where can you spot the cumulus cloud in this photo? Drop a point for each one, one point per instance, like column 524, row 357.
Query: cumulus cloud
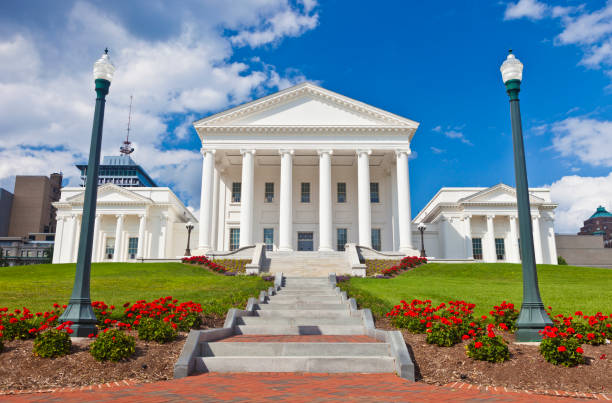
column 578, row 197
column 177, row 73
column 525, row 9
column 589, row 140
column 453, row 133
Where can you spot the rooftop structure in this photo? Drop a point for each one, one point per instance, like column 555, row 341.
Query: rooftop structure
column 600, row 223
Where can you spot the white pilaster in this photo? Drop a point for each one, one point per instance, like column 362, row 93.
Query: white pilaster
column 118, row 240
column 215, row 211
column 467, row 227
column 285, row 238
column 363, row 190
column 514, row 255
column 163, row 235
column 206, row 199
column 489, row 254
column 325, row 202
column 537, row 239
column 552, row 244
column 246, row 198
column 95, row 248
column 403, row 199
column 59, row 240
column 141, row 235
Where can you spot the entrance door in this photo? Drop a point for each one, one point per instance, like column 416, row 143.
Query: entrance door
column 305, row 241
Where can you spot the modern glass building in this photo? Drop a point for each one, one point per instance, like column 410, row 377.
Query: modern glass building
column 120, row 170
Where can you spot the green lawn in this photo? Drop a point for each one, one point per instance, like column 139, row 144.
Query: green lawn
column 37, row 287
column 564, row 288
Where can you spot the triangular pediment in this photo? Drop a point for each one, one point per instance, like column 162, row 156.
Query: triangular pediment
column 305, row 105
column 110, row 193
column 500, row 193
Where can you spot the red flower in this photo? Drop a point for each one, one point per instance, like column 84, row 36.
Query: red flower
column 69, row 331
column 90, row 335
column 465, row 337
column 603, row 357
column 477, row 344
column 561, row 349
column 579, row 350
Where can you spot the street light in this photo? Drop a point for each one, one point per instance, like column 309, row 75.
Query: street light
column 422, row 227
column 189, row 227
column 79, row 310
column 533, row 316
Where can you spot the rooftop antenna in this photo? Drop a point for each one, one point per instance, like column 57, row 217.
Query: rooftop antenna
column 126, row 148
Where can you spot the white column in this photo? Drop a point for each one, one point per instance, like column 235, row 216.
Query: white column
column 285, row 236
column 206, row 199
column 325, row 202
column 77, row 237
column 246, row 198
column 467, row 222
column 552, row 244
column 514, row 256
column 71, row 237
column 403, row 199
column 444, row 237
column 95, row 248
column 118, row 233
column 537, row 240
column 363, row 204
column 489, row 254
column 163, row 234
column 215, row 211
column 59, row 240
column 141, row 235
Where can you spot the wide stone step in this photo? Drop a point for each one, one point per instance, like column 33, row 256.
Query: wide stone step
column 294, row 330
column 272, row 306
column 297, row 291
column 333, row 364
column 290, row 321
column 303, row 313
column 278, row 349
column 292, row 299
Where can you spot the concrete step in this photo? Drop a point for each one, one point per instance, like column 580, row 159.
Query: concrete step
column 273, row 306
column 312, row 294
column 287, row 321
column 297, row 330
column 279, row 349
column 303, row 313
column 334, row 364
column 292, row 299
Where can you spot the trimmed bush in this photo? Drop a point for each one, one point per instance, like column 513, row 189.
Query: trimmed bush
column 15, row 329
column 561, row 261
column 156, row 330
column 485, row 348
column 562, row 351
column 443, row 335
column 52, row 343
column 113, row 345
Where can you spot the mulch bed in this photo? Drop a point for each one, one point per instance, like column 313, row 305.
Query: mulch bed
column 526, row 369
column 21, row 370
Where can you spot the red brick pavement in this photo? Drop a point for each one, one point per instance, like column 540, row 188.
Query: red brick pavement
column 300, row 339
column 259, row 387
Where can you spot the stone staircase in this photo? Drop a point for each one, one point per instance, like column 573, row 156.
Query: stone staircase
column 303, row 325
column 307, row 264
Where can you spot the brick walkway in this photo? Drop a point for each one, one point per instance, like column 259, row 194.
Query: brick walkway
column 291, row 387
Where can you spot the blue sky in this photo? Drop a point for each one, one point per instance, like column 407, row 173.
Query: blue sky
column 433, row 62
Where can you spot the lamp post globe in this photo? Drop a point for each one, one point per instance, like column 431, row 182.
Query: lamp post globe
column 422, row 227
column 79, row 311
column 533, row 316
column 189, row 227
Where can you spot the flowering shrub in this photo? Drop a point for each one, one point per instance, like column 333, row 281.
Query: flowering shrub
column 204, row 261
column 406, row 263
column 590, row 329
column 561, row 348
column 54, row 342
column 489, row 347
column 112, row 345
column 443, row 334
column 418, row 316
column 155, row 330
column 23, row 324
column 183, row 316
column 504, row 315
column 103, row 313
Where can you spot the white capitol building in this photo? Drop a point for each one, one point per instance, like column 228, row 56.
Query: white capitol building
column 301, row 174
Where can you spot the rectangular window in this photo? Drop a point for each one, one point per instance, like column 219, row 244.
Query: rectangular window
column 234, row 241
column 374, row 197
column 269, row 192
column 305, row 241
column 110, row 248
column 305, row 192
column 236, row 189
column 341, row 239
column 132, row 247
column 500, row 248
column 477, row 248
column 376, row 243
column 269, row 238
column 341, row 192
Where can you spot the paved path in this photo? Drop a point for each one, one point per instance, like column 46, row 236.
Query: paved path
column 259, row 387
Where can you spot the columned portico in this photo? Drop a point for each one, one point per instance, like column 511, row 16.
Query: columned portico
column 363, row 194
column 285, row 242
column 325, row 202
column 246, row 203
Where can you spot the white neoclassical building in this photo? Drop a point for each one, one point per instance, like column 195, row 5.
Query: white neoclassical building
column 131, row 223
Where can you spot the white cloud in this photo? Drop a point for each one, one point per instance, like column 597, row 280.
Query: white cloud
column 525, row 9
column 578, row 197
column 46, row 113
column 589, row 140
column 437, row 150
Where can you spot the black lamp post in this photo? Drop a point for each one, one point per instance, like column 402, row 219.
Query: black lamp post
column 421, row 229
column 79, row 310
column 533, row 316
column 189, row 227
